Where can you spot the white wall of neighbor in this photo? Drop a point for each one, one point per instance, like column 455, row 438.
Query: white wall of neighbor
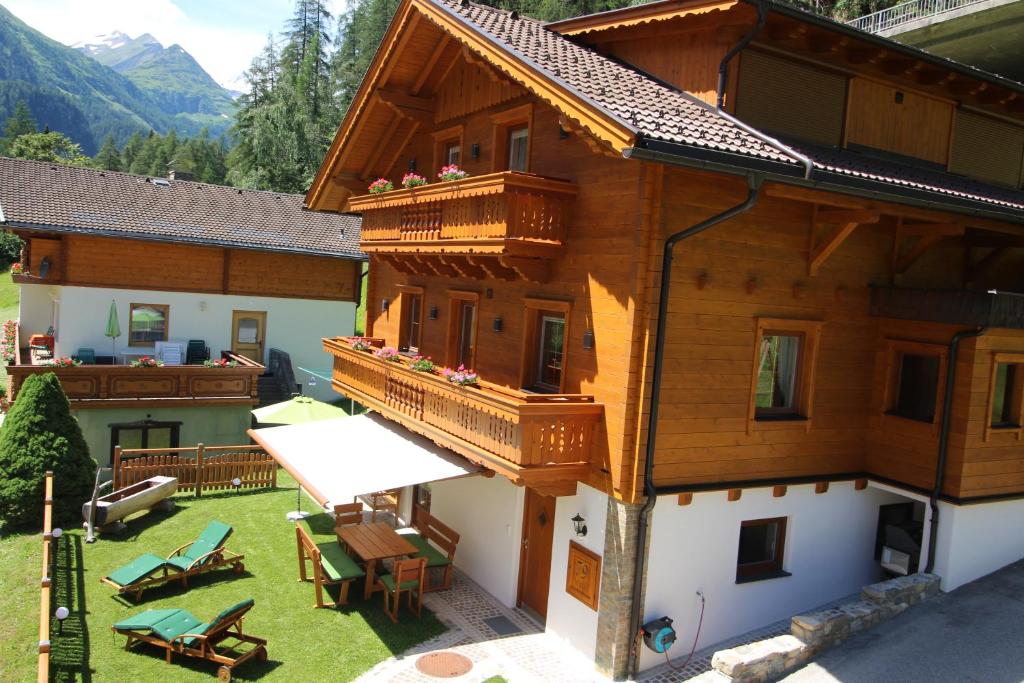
column 568, row 618
column 975, row 540
column 293, row 325
column 829, row 551
column 36, row 310
column 488, row 515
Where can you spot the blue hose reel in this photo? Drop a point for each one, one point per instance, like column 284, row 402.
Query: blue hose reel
column 659, row 635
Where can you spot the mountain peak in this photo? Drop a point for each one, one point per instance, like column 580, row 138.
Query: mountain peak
column 104, row 42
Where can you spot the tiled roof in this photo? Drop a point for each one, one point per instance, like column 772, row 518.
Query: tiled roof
column 637, row 101
column 863, row 167
column 659, row 113
column 69, row 199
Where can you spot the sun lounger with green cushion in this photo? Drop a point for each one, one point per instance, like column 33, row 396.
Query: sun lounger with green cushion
column 178, row 631
column 203, row 554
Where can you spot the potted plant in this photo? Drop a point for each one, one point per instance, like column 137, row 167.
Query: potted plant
column 451, row 172
column 7, row 345
column 220, row 363
column 17, row 268
column 461, row 376
column 421, row 364
column 147, row 362
column 411, row 180
column 62, row 362
column 388, row 353
column 381, row 185
column 361, row 344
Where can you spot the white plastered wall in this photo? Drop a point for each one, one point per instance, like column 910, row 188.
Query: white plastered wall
column 829, row 552
column 488, row 515
column 293, row 325
column 975, row 540
column 568, row 618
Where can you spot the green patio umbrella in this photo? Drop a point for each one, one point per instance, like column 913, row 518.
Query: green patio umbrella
column 113, row 326
column 297, row 410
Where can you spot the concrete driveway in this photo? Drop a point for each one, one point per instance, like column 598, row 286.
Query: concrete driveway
column 975, row 633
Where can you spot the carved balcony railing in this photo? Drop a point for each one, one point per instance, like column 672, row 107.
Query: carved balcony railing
column 113, row 385
column 482, row 226
column 516, row 433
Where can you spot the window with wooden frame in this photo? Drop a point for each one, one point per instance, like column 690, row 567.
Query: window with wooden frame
column 448, row 147
column 782, row 384
column 464, row 317
column 512, row 139
column 410, row 331
column 916, row 374
column 544, row 345
column 144, row 434
column 147, row 323
column 762, row 549
column 1006, row 395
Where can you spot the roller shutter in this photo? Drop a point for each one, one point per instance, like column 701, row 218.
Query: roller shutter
column 986, row 148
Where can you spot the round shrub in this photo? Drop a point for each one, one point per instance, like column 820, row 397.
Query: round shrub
column 40, row 434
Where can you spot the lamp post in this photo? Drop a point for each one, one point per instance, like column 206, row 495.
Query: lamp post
column 61, row 614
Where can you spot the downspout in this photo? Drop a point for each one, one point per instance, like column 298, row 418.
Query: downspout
column 947, row 408
column 650, row 490
column 723, row 66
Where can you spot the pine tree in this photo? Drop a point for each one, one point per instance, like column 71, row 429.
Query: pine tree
column 38, row 435
column 20, row 122
column 108, row 158
column 130, row 151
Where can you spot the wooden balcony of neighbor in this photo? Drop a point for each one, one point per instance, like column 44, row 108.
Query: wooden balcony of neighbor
column 542, row 440
column 116, row 386
column 503, row 225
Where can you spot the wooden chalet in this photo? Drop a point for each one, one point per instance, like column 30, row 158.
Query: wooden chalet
column 842, row 333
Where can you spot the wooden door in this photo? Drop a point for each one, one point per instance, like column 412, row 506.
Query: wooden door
column 535, row 559
column 465, row 352
column 248, row 332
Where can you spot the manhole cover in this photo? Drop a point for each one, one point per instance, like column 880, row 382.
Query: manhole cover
column 444, row 664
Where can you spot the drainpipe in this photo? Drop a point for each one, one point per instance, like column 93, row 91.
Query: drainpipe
column 723, row 67
column 947, row 408
column 650, row 490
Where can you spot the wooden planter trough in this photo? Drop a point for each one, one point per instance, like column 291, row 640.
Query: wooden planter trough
column 118, row 504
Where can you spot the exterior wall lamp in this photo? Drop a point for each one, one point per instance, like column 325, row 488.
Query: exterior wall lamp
column 588, row 340
column 497, row 324
column 580, row 525
column 384, row 305
column 475, row 150
column 433, row 312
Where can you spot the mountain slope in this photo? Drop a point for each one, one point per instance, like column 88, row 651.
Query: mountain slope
column 73, row 93
column 171, row 76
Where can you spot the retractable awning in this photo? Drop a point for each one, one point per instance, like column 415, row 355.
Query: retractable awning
column 338, row 459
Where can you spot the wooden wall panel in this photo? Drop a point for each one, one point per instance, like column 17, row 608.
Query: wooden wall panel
column 470, row 88
column 137, row 264
column 918, row 127
column 292, row 275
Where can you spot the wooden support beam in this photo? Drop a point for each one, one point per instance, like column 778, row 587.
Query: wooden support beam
column 932, row 229
column 734, row 495
column 437, row 265
column 494, row 268
column 779, row 491
column 976, row 271
column 820, row 252
column 399, row 264
column 843, row 216
column 860, row 484
column 821, row 487
column 463, row 266
column 428, row 66
column 923, row 245
column 534, row 270
column 685, row 498
column 847, row 220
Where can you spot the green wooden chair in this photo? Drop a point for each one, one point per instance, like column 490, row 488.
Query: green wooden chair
column 195, row 557
column 177, row 631
column 331, row 566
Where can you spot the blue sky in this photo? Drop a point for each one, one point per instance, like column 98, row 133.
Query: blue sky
column 223, row 35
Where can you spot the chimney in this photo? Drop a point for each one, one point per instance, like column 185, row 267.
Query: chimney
column 180, row 175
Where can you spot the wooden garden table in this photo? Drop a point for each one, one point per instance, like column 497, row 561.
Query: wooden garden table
column 372, row 542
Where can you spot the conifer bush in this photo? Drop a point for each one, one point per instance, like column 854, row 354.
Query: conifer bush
column 40, row 434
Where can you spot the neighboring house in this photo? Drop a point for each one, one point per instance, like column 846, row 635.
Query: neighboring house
column 240, row 271
column 822, row 355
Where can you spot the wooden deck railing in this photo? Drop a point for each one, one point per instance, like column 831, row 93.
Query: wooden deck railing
column 198, row 468
column 108, row 384
column 492, row 208
column 527, row 430
column 46, row 589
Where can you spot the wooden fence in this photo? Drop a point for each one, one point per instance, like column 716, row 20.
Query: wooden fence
column 199, row 468
column 45, row 592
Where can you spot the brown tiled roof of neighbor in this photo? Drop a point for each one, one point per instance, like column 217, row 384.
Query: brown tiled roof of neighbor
column 639, row 102
column 677, row 123
column 47, row 196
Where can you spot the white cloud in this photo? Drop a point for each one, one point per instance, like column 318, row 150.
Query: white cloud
column 224, row 51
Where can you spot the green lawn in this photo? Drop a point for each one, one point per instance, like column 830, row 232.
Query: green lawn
column 9, row 298
column 304, row 643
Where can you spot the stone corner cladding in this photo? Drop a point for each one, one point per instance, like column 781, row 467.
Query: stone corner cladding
column 815, row 632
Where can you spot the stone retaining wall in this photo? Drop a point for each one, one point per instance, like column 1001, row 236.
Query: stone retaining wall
column 815, row 632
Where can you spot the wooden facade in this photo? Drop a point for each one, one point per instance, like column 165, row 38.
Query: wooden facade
column 801, row 259
column 90, row 261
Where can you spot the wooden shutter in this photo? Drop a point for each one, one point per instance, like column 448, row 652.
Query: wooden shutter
column 781, row 96
column 986, row 148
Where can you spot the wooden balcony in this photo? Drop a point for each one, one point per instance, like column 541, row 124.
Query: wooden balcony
column 504, row 225
column 541, row 440
column 117, row 386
